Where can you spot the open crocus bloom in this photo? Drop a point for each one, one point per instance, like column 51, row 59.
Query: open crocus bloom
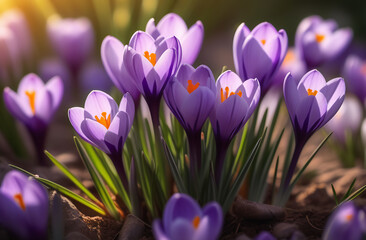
column 319, row 40
column 235, row 103
column 191, row 96
column 355, row 73
column 35, row 102
column 102, row 123
column 259, row 53
column 151, row 62
column 173, row 25
column 184, row 219
column 112, row 58
column 347, row 222
column 312, row 102
column 23, row 206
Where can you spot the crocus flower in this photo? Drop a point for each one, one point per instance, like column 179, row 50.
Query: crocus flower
column 72, row 39
column 342, row 123
column 319, row 40
column 105, row 125
column 173, row 25
column 311, row 103
column 191, row 98
column 34, row 104
column 259, row 53
column 355, row 72
column 112, row 58
column 235, row 103
column 346, row 222
column 184, row 219
column 23, row 206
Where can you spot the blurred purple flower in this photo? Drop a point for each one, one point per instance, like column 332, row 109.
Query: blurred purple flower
column 318, row 40
column 346, row 222
column 342, row 122
column 112, row 58
column 354, row 72
column 235, row 103
column 264, row 236
column 50, row 67
column 23, row 206
column 72, row 39
column 173, row 25
column 190, row 96
column 184, row 219
column 94, row 77
column 10, row 61
column 105, row 125
column 259, row 53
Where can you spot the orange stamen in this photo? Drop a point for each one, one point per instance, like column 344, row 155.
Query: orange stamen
column 32, row 100
column 151, row 57
column 104, row 120
column 349, row 217
column 19, row 199
column 319, row 37
column 228, row 94
column 191, row 87
column 196, row 222
column 263, row 41
column 312, row 92
column 290, row 57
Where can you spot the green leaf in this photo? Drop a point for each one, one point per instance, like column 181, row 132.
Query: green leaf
column 335, row 195
column 349, row 190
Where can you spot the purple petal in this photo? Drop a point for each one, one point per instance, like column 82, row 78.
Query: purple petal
column 56, row 87
column 118, row 131
column 290, row 94
column 192, row 42
column 264, row 31
column 76, row 117
column 172, row 25
column 96, row 133
column 204, row 76
column 228, row 79
column 165, row 63
column 334, row 92
column 141, row 42
column 240, row 34
column 184, row 73
column 30, row 82
column 151, row 28
column 284, row 43
column 168, row 43
column 158, row 231
column 251, row 94
column 212, row 221
column 127, row 105
column 313, row 80
column 98, row 102
column 13, row 183
column 44, row 105
column 17, row 106
column 338, row 42
column 311, row 50
column 181, row 229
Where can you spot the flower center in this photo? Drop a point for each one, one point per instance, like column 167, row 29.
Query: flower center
column 104, row 120
column 319, row 37
column 349, row 217
column 191, row 87
column 32, row 100
column 263, row 41
column 312, row 92
column 225, row 95
column 151, row 57
column 19, row 199
column 196, row 222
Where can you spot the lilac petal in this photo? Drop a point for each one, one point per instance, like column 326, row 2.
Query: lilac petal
column 251, row 94
column 76, row 117
column 313, row 80
column 17, row 106
column 96, row 133
column 30, row 82
column 334, row 92
column 181, row 229
column 151, row 28
column 184, row 73
column 192, row 42
column 180, row 206
column 98, row 102
column 264, row 31
column 170, row 43
column 141, row 42
column 338, row 42
column 172, row 25
column 256, row 61
column 158, row 230
column 228, row 79
column 165, row 63
column 240, row 35
column 211, row 223
column 56, row 87
column 312, row 52
column 284, row 43
column 175, row 95
column 144, row 74
column 127, row 105
column 204, row 76
column 291, row 95
column 44, row 105
column 13, row 183
column 117, row 132
column 273, row 49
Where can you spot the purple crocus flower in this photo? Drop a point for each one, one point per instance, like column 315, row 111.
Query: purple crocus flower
column 191, row 98
column 112, row 58
column 347, row 222
column 34, row 105
column 311, row 103
column 173, row 25
column 318, row 40
column 259, row 53
column 235, row 103
column 184, row 219
column 105, row 125
column 354, row 72
column 23, row 206
column 72, row 39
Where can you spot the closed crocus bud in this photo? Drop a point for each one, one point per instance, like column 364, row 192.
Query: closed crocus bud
column 354, row 72
column 346, row 222
column 342, row 123
column 191, row 97
column 318, row 40
column 112, row 58
column 23, row 206
column 105, row 125
column 235, row 102
column 34, row 104
column 259, row 53
column 72, row 39
column 173, row 25
column 94, row 77
column 184, row 219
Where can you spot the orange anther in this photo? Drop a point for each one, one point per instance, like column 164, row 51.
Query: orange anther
column 32, row 100
column 263, row 41
column 104, row 120
column 19, row 199
column 312, row 92
column 196, row 222
column 191, row 87
column 228, row 94
column 151, row 57
column 319, row 37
